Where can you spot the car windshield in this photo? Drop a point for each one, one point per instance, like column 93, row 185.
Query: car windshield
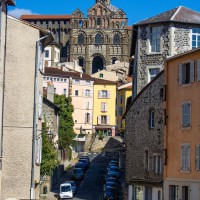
column 65, row 188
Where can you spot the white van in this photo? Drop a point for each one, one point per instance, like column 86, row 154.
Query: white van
column 66, row 191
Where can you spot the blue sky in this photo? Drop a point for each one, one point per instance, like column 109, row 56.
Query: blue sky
column 135, row 10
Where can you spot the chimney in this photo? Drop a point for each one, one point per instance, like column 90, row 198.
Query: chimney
column 50, row 92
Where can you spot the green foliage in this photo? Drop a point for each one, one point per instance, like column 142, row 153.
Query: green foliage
column 66, row 122
column 100, row 135
column 49, row 153
column 68, row 167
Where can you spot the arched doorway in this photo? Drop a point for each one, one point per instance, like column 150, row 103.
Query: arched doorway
column 97, row 64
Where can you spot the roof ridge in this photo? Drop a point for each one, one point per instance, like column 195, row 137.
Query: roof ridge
column 174, row 15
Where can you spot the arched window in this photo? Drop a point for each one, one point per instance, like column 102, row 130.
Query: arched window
column 80, row 24
column 98, row 38
column 87, row 93
column 116, row 39
column 80, row 39
column 98, row 21
column 152, row 119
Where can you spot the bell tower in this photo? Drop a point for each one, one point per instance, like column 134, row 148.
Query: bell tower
column 105, row 2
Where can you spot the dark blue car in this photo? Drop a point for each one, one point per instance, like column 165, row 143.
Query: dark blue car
column 111, row 193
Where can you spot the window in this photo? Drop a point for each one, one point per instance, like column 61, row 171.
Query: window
column 58, row 79
column 54, row 90
column 153, row 72
column 103, row 119
column 87, row 82
column 103, row 94
column 98, row 21
column 44, row 78
column 185, row 157
column 185, row 193
column 195, row 38
column 197, row 156
column 87, row 93
column 155, row 39
column 146, row 160
column 116, row 39
column 76, row 81
column 54, row 79
column 80, row 39
column 76, row 92
column 103, row 107
column 186, row 109
column 46, row 53
column 159, row 195
column 98, row 38
column 157, row 164
column 173, row 192
column 186, row 73
column 152, row 119
column 64, row 92
column 100, row 75
column 87, row 118
column 120, row 111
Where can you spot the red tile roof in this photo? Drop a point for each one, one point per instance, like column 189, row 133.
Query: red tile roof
column 52, row 71
column 45, row 17
column 103, row 81
column 129, row 27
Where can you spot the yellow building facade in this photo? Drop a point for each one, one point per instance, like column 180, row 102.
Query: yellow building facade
column 123, row 92
column 104, row 112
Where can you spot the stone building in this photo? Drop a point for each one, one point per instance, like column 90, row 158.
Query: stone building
column 144, row 142
column 161, row 36
column 100, row 39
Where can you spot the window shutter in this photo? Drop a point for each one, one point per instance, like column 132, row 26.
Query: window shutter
column 108, row 95
column 84, row 93
column 91, row 118
column 85, row 118
column 40, row 57
column 38, row 149
column 99, row 119
column 180, row 74
column 108, row 119
column 186, row 115
column 40, row 106
column 197, row 157
column 192, row 71
column 102, row 107
column 105, row 107
column 198, row 70
column 185, row 157
column 99, row 94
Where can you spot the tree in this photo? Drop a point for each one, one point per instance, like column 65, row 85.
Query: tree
column 66, row 122
column 49, row 153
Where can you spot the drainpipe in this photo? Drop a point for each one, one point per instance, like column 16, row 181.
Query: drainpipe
column 34, row 116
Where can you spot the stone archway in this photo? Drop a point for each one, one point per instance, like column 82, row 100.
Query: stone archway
column 97, row 63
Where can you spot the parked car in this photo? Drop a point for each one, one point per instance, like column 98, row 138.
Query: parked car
column 85, row 157
column 110, row 184
column 111, row 193
column 111, row 176
column 112, row 180
column 114, row 170
column 78, row 174
column 66, row 191
column 85, row 162
column 81, row 165
column 114, row 162
column 73, row 185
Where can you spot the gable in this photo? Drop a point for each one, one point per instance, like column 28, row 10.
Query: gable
column 77, row 14
column 120, row 13
column 98, row 6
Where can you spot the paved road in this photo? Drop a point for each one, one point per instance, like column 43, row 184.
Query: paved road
column 91, row 188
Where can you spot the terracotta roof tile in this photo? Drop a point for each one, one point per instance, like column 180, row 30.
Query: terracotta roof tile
column 103, row 81
column 45, row 17
column 129, row 27
column 52, row 71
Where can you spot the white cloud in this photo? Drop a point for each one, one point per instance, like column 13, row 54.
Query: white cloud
column 17, row 12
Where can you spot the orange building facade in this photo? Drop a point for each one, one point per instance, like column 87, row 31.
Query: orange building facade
column 182, row 127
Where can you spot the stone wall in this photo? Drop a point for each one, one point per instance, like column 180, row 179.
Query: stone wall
column 139, row 137
column 175, row 39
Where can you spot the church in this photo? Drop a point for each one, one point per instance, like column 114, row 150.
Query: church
column 100, row 39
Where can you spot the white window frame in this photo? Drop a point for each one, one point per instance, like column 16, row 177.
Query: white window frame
column 158, row 36
column 196, row 35
column 157, row 165
column 46, row 50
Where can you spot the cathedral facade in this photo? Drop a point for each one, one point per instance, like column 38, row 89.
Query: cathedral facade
column 100, row 39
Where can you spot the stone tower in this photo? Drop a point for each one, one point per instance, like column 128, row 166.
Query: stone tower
column 105, row 2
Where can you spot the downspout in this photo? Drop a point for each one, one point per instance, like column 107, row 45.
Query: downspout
column 35, row 116
column 3, row 75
